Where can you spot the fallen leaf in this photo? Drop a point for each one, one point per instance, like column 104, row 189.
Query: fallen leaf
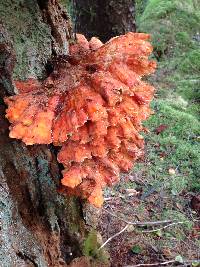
column 171, row 171
column 158, row 233
column 130, row 228
column 179, row 206
column 161, row 128
column 166, row 252
column 162, row 154
column 195, row 264
column 197, row 138
column 131, row 192
column 179, row 259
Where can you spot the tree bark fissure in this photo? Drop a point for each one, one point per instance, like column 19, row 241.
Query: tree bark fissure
column 59, row 21
column 27, row 259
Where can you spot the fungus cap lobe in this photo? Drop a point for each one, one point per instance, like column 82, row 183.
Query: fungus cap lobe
column 92, row 106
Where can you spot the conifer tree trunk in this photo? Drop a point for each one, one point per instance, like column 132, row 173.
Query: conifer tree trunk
column 38, row 226
column 104, row 19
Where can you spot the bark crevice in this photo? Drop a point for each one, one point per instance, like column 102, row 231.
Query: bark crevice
column 59, row 21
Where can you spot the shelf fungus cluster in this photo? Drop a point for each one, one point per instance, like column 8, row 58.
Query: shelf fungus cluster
column 92, row 105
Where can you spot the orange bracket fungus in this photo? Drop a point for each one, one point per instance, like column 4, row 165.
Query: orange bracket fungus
column 92, row 106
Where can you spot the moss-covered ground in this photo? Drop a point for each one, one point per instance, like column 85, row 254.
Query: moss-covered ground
column 174, row 27
column 166, row 182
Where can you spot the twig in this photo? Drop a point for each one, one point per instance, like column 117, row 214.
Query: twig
column 115, row 235
column 159, row 229
column 111, row 198
column 118, row 197
column 152, row 264
column 165, row 263
column 122, row 196
column 140, row 223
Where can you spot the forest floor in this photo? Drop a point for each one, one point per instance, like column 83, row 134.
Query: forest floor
column 165, row 184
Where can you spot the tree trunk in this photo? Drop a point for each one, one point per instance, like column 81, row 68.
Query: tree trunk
column 38, row 226
column 104, row 19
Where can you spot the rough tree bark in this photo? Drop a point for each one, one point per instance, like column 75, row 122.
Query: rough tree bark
column 104, row 19
column 38, row 226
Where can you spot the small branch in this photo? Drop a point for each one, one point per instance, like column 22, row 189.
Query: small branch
column 159, row 229
column 152, row 264
column 111, row 198
column 197, row 261
column 140, row 223
column 115, row 235
column 126, row 195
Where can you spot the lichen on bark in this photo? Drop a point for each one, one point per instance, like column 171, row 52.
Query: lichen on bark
column 31, row 37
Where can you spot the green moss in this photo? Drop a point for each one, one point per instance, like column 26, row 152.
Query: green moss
column 179, row 142
column 164, row 7
column 172, row 164
column 91, row 248
column 140, row 7
column 172, row 113
column 171, row 23
column 191, row 63
column 90, row 245
column 174, row 26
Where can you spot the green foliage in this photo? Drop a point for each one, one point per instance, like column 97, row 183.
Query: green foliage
column 136, row 249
